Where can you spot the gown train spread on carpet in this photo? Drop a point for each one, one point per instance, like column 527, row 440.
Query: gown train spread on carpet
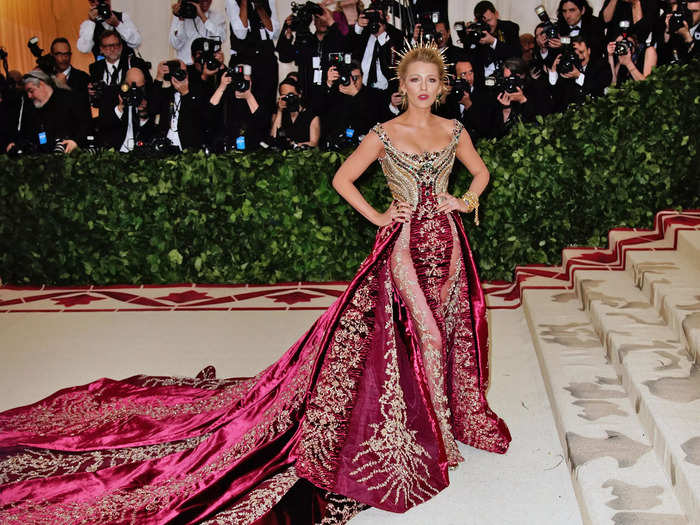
column 364, row 409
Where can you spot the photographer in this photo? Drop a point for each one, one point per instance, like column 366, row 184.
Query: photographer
column 294, row 124
column 629, row 59
column 543, row 56
column 575, row 75
column 309, row 51
column 501, row 40
column 443, row 38
column 194, row 19
column 129, row 122
column 642, row 13
column 101, row 18
column 373, row 41
column 254, row 28
column 520, row 99
column 178, row 110
column 236, row 119
column 681, row 33
column 575, row 17
column 207, row 62
column 349, row 108
column 49, row 118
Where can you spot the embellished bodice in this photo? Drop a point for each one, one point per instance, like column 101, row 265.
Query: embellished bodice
column 413, row 175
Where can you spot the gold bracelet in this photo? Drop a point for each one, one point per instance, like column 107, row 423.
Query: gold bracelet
column 472, row 201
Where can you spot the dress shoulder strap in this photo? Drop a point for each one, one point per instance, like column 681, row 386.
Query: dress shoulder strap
column 457, row 129
column 379, row 130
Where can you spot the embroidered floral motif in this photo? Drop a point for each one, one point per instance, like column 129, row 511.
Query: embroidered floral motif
column 392, row 460
column 328, row 410
column 340, row 509
column 260, row 500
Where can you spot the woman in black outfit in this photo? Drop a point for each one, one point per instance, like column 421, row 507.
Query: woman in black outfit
column 293, row 121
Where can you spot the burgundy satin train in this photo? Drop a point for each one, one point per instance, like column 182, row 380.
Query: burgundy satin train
column 363, row 410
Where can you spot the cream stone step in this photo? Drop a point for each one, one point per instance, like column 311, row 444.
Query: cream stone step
column 689, row 244
column 671, row 282
column 657, row 373
column 616, row 474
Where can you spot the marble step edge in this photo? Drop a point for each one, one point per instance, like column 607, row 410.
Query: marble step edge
column 633, row 364
column 591, row 479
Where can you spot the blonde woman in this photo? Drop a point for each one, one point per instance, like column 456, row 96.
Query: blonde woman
column 365, row 409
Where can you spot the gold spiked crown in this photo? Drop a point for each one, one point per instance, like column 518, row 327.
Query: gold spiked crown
column 413, row 48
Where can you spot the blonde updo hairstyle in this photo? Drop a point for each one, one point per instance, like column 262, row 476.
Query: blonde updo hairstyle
column 428, row 54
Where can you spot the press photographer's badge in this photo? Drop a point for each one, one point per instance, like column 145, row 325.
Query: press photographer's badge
column 263, row 34
column 316, row 62
column 349, row 133
column 42, row 138
column 318, row 76
column 240, row 143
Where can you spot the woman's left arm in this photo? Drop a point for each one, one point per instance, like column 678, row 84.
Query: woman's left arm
column 467, row 155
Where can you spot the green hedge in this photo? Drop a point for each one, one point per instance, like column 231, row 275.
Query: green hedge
column 268, row 217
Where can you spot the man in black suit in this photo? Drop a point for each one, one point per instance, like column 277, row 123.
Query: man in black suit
column 74, row 79
column 112, row 70
column 310, row 52
column 575, row 17
column 127, row 123
column 177, row 109
column 501, row 41
column 591, row 79
column 373, row 47
column 49, row 116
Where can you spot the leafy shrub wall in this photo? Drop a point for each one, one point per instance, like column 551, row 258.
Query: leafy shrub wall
column 269, row 217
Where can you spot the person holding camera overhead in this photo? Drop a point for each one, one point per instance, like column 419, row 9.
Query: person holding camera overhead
column 130, row 120
column 254, row 28
column 680, row 40
column 310, row 51
column 207, row 62
column 101, row 18
column 294, row 124
column 575, row 74
column 177, row 110
column 575, row 17
column 193, row 19
column 641, row 14
column 235, row 118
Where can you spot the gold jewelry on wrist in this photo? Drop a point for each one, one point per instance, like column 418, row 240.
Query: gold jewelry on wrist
column 471, row 199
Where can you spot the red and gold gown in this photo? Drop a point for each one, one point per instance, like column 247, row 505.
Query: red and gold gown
column 363, row 410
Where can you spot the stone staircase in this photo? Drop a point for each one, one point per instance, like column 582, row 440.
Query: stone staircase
column 617, row 336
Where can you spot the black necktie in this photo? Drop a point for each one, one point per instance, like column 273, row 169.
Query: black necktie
column 372, row 76
column 112, row 75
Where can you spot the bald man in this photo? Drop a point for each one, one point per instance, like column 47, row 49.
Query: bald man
column 127, row 123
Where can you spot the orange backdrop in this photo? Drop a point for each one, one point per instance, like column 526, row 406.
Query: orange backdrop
column 47, row 19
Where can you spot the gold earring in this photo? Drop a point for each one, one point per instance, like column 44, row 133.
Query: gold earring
column 404, row 100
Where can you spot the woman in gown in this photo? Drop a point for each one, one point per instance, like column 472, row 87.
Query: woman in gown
column 363, row 410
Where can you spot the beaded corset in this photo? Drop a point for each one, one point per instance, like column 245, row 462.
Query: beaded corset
column 413, row 175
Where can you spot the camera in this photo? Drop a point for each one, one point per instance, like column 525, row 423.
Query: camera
column 459, row 87
column 238, row 74
column 174, row 71
column 569, row 59
column 132, row 95
column 293, row 102
column 624, row 46
column 187, row 9
column 155, row 148
column 503, row 84
column 550, row 30
column 680, row 15
column 427, row 24
column 302, row 15
column 341, row 61
column 44, row 61
column 209, row 48
column 474, row 33
column 345, row 139
column 104, row 12
column 98, row 86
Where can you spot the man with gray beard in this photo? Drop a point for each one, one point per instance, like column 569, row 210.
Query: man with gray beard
column 49, row 119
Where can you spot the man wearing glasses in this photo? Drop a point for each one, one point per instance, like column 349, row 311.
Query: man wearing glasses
column 97, row 23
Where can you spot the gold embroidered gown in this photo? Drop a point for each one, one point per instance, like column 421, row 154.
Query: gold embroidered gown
column 364, row 409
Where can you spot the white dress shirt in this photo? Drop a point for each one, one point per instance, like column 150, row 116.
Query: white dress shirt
column 128, row 144
column 240, row 31
column 382, row 82
column 110, row 71
column 173, row 133
column 184, row 32
column 127, row 29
